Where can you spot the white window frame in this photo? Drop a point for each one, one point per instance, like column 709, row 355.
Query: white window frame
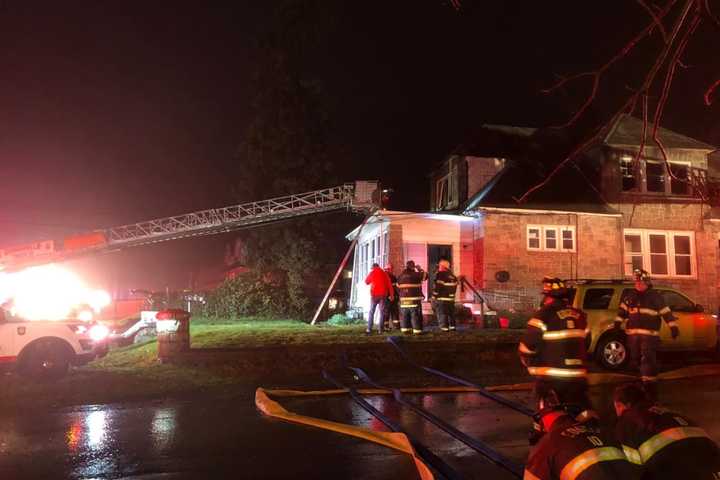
column 669, row 235
column 558, row 229
column 641, row 176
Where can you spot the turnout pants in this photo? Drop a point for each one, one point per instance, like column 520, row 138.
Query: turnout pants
column 446, row 315
column 374, row 302
column 643, row 359
column 410, row 316
column 392, row 313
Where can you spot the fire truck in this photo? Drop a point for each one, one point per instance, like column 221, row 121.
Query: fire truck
column 47, row 348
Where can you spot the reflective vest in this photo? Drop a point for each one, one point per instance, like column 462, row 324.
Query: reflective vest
column 410, row 288
column 577, row 451
column 554, row 344
column 642, row 311
column 666, row 443
column 445, row 286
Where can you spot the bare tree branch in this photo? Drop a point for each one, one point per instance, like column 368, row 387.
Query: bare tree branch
column 655, row 18
column 631, row 103
column 709, row 92
column 597, row 74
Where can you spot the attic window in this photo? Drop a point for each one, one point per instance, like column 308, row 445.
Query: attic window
column 629, row 177
column 651, row 176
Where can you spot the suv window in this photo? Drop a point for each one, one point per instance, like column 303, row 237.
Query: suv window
column 677, row 302
column 598, row 298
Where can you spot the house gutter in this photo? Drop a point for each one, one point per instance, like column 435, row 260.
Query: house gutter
column 535, row 211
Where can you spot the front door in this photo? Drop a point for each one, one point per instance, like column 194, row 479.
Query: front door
column 435, row 253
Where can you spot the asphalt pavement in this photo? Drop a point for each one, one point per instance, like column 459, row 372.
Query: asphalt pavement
column 226, row 437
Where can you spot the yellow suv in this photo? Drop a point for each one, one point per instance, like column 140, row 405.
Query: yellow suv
column 600, row 300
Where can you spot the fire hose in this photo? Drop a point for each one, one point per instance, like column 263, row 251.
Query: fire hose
column 429, row 457
column 518, row 407
column 492, row 455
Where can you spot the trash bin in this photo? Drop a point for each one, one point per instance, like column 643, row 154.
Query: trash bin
column 173, row 333
column 491, row 319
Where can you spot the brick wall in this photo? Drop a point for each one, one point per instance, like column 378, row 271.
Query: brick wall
column 683, row 217
column 395, row 251
column 504, row 247
column 501, row 244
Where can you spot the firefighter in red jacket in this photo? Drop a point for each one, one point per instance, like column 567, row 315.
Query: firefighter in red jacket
column 573, row 448
column 380, row 291
column 554, row 346
column 641, row 310
column 444, row 295
column 667, row 445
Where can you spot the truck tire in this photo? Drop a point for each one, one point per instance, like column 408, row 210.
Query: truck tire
column 612, row 352
column 47, row 359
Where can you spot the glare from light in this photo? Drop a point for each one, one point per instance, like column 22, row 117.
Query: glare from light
column 98, row 299
column 47, row 292
column 96, row 427
column 85, row 316
column 98, row 333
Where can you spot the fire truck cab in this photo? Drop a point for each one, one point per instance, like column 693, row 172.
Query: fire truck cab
column 47, row 348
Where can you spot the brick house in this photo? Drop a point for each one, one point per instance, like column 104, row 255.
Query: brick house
column 597, row 218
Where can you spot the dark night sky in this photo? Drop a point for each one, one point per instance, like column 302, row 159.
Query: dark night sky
column 114, row 112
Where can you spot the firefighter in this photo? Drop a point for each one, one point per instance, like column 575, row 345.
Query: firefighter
column 573, row 448
column 380, row 290
column 393, row 306
column 641, row 311
column 664, row 443
column 411, row 297
column 444, row 296
column 554, row 346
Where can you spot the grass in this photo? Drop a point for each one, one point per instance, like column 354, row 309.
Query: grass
column 133, row 372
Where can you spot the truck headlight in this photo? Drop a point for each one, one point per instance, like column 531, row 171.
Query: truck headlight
column 98, row 333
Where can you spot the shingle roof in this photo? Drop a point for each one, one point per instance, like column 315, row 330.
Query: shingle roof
column 628, row 131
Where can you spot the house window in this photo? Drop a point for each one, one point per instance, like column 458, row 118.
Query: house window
column 655, row 177
column 533, row 236
column 651, row 176
column 442, row 193
column 662, row 253
column 446, row 194
column 627, row 171
column 679, row 181
column 552, row 238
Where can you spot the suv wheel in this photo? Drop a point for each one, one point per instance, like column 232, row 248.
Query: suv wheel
column 48, row 360
column 612, row 352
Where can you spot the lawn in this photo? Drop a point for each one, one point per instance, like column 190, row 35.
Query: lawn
column 133, row 372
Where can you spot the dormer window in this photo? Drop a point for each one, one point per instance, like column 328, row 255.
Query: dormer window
column 651, row 176
column 446, row 191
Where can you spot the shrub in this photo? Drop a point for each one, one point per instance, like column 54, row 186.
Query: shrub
column 248, row 294
column 342, row 319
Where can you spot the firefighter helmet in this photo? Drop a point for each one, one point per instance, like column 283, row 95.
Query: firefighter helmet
column 445, row 263
column 410, row 265
column 554, row 287
column 642, row 276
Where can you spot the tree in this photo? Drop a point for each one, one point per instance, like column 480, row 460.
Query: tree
column 289, row 147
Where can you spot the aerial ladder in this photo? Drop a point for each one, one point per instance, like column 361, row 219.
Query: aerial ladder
column 359, row 196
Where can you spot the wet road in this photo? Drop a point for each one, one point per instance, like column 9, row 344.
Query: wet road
column 227, row 438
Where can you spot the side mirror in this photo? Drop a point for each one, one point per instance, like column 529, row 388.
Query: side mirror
column 699, row 308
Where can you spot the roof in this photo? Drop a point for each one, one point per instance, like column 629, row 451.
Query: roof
column 496, row 141
column 627, row 131
column 573, row 187
column 570, row 189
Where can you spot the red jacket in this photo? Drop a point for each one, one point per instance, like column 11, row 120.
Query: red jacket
column 379, row 282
